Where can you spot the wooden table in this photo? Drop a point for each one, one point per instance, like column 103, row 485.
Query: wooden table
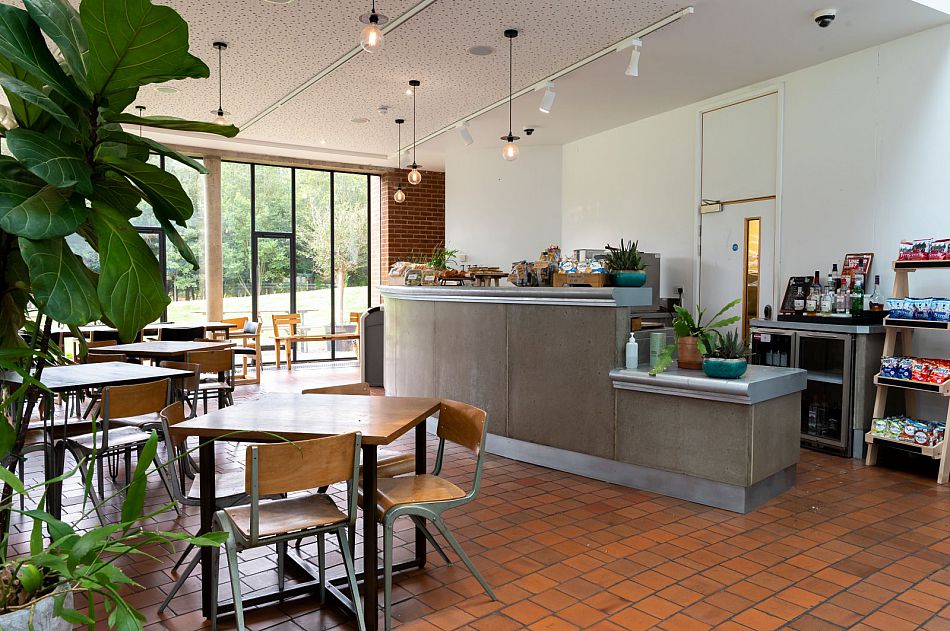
column 381, row 420
column 161, row 350
column 209, row 327
column 75, row 377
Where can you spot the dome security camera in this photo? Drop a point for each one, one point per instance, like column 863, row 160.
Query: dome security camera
column 527, row 130
column 824, row 17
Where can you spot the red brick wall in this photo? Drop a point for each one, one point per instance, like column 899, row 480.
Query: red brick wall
column 416, row 226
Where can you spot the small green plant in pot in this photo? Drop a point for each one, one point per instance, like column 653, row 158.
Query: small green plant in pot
column 626, row 265
column 693, row 337
column 727, row 357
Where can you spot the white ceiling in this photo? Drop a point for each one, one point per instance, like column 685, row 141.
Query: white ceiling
column 274, row 48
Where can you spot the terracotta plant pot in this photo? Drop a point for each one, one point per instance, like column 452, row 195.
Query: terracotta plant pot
column 687, row 353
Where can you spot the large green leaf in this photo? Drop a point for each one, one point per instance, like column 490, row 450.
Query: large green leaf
column 131, row 290
column 55, row 162
column 22, row 42
column 14, row 297
column 33, row 96
column 135, row 494
column 170, row 122
column 50, row 212
column 27, row 115
column 116, row 191
column 183, row 248
column 59, row 282
column 161, row 188
column 61, row 23
column 126, row 138
column 134, row 43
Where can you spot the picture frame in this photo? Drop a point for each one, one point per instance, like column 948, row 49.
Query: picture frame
column 788, row 302
column 857, row 263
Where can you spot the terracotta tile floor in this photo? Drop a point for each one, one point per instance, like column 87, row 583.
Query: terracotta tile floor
column 849, row 546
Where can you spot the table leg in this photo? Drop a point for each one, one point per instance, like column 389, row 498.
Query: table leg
column 420, row 470
column 206, row 468
column 370, row 543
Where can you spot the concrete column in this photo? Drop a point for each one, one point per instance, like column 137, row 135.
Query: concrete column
column 214, row 267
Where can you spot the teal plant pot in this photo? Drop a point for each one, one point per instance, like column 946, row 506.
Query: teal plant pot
column 724, row 368
column 630, row 279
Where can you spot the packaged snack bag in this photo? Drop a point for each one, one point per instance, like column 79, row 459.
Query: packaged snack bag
column 905, row 368
column 921, row 249
column 920, row 308
column 889, row 366
column 898, row 308
column 939, row 429
column 909, row 430
column 879, row 426
column 940, row 250
column 906, row 251
column 895, row 427
column 923, row 434
column 939, row 373
column 940, row 309
column 920, row 370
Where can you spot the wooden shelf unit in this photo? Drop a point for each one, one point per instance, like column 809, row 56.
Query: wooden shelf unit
column 904, row 329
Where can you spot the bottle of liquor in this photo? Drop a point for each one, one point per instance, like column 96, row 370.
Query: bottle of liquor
column 857, row 295
column 876, row 301
column 813, row 301
column 843, row 298
column 798, row 300
column 835, row 276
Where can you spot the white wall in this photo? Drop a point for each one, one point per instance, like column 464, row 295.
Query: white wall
column 498, row 212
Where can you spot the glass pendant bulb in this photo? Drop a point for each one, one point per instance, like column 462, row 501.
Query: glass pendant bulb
column 371, row 38
column 415, row 176
column 510, row 151
column 400, row 195
column 220, row 119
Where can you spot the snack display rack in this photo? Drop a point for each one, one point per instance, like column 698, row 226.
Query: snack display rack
column 904, row 329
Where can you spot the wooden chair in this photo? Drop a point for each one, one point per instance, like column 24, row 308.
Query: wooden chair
column 355, row 319
column 286, row 334
column 237, row 326
column 220, row 363
column 228, row 488
column 427, row 496
column 249, row 350
column 186, row 388
column 287, row 468
column 180, row 334
column 121, row 429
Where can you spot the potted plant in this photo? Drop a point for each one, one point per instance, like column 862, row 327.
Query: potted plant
column 726, row 359
column 693, row 337
column 441, row 258
column 625, row 265
column 75, row 173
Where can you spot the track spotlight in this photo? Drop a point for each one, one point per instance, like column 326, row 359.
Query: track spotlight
column 633, row 69
column 547, row 101
column 466, row 134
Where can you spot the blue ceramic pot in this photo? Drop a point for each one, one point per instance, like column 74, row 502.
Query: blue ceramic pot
column 630, row 279
column 724, row 368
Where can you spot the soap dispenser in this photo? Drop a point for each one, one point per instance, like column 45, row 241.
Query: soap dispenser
column 633, row 353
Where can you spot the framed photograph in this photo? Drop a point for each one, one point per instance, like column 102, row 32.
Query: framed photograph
column 788, row 302
column 414, row 277
column 859, row 263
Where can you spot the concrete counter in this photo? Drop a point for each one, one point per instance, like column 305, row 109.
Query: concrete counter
column 543, row 364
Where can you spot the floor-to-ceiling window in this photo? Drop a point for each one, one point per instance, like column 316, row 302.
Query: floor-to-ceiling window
column 297, row 240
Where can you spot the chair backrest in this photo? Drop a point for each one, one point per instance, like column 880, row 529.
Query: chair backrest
column 462, row 424
column 361, row 388
column 180, row 333
column 101, row 344
column 93, row 357
column 188, row 383
column 236, row 323
column 286, row 321
column 215, row 360
column 172, row 415
column 355, row 316
column 279, row 468
column 135, row 400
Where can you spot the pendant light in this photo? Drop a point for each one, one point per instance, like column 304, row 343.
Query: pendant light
column 400, row 195
column 141, row 110
column 371, row 38
column 220, row 114
column 510, row 151
column 414, row 176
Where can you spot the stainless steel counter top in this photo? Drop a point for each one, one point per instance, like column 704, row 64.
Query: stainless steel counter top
column 573, row 296
column 860, row 329
column 760, row 383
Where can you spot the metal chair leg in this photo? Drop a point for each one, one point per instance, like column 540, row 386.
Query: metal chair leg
column 351, row 578
column 231, row 547
column 181, row 579
column 461, row 553
column 215, row 564
column 421, row 525
column 281, row 563
column 322, row 566
column 387, row 573
column 184, row 555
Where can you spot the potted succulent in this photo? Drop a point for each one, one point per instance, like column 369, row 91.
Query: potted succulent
column 74, row 177
column 693, row 337
column 625, row 265
column 726, row 359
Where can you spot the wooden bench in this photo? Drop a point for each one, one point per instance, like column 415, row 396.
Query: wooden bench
column 286, row 335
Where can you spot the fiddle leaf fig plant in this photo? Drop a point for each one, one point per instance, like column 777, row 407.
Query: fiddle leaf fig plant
column 75, row 178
